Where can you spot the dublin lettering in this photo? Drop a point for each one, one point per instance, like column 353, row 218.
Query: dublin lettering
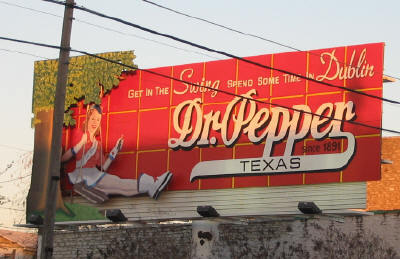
column 336, row 69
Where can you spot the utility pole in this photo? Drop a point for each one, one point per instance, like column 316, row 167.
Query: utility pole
column 56, row 139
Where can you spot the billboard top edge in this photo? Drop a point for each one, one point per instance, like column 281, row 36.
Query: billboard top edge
column 252, row 56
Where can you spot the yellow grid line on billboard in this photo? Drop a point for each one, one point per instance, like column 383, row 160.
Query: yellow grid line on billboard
column 368, row 136
column 305, row 153
column 306, row 101
column 205, row 104
column 203, row 77
column 67, row 138
column 307, row 70
column 79, row 120
column 324, row 93
column 80, row 116
column 239, row 144
column 126, row 153
column 169, row 137
column 365, row 89
column 138, row 126
column 151, row 150
column 260, row 99
column 108, row 120
column 344, row 100
column 123, row 112
column 171, row 87
column 356, row 136
column 308, row 139
column 271, row 75
column 169, row 118
column 287, row 97
column 153, row 109
column 242, row 144
column 168, row 158
column 270, row 96
column 345, row 65
column 236, row 92
column 202, row 110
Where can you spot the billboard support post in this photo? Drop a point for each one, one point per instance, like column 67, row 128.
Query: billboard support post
column 58, row 119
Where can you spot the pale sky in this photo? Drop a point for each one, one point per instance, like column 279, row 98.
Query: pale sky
column 304, row 25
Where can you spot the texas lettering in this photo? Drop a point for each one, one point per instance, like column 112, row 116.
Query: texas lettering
column 265, row 164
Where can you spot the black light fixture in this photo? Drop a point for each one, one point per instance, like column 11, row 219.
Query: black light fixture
column 115, row 215
column 207, row 211
column 35, row 219
column 308, row 207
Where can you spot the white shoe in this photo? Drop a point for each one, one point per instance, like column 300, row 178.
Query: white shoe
column 160, row 184
column 145, row 183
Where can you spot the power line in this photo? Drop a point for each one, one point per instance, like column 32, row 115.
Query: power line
column 45, row 58
column 206, row 87
column 186, row 82
column 235, row 95
column 109, row 29
column 155, row 41
column 23, row 53
column 233, row 30
column 221, row 52
column 28, row 8
column 159, row 42
column 221, row 26
column 143, row 38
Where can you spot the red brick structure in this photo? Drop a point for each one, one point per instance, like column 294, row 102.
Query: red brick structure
column 385, row 194
column 15, row 244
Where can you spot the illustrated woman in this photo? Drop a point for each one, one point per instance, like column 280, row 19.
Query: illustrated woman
column 91, row 165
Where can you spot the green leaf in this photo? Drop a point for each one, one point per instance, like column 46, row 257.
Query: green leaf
column 85, row 73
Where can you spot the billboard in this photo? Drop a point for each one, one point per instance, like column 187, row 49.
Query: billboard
column 230, row 125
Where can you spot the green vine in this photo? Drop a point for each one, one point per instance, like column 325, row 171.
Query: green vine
column 87, row 78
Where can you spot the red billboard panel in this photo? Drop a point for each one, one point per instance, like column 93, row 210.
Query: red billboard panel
column 233, row 124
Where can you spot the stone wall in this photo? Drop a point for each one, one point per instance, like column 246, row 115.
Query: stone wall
column 124, row 242
column 324, row 237
column 376, row 236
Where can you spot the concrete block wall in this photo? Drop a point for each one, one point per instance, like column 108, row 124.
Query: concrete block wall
column 323, row 237
column 376, row 236
column 124, row 242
